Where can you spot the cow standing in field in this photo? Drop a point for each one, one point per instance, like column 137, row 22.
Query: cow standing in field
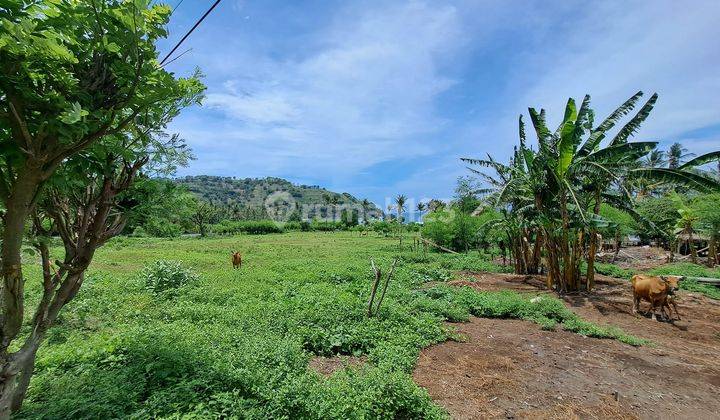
column 654, row 289
column 236, row 260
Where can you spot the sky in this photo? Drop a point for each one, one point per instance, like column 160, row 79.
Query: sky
column 380, row 98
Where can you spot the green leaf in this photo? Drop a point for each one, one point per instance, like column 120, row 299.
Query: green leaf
column 73, row 115
column 566, row 148
column 599, row 133
column 627, row 152
column 540, row 126
column 634, row 124
column 112, row 47
column 678, row 177
column 701, row 160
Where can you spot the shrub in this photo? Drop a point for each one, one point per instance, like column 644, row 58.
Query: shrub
column 253, row 227
column 162, row 228
column 452, row 229
column 164, row 277
column 139, row 232
column 292, row 225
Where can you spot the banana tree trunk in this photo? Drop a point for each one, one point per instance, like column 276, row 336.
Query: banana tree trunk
column 691, row 246
column 590, row 275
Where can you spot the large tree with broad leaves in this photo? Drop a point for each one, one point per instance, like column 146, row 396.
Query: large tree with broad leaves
column 83, row 102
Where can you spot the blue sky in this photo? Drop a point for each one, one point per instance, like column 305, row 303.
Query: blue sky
column 382, row 98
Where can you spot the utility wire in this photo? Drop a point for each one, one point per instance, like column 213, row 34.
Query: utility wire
column 177, row 5
column 190, row 31
column 180, row 55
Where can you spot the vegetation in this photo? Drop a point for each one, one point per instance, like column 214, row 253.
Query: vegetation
column 244, row 337
column 550, row 199
column 166, row 277
column 244, row 199
column 84, row 106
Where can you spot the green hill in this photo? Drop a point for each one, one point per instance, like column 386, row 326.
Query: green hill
column 253, row 192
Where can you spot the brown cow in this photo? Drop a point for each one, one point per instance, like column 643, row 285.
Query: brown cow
column 654, row 289
column 236, row 260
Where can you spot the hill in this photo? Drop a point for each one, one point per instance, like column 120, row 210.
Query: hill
column 253, row 192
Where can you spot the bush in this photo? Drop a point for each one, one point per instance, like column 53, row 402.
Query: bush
column 452, row 229
column 139, row 232
column 253, row 227
column 326, row 226
column 162, row 228
column 163, row 277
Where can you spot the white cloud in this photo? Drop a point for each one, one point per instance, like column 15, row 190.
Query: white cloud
column 366, row 96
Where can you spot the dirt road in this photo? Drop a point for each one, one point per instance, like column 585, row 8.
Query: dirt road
column 512, row 369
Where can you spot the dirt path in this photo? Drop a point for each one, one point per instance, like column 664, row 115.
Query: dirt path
column 512, row 369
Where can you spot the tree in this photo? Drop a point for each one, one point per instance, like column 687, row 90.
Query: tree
column 82, row 99
column 421, row 207
column 400, row 201
column 708, row 212
column 655, row 159
column 466, row 194
column 160, row 207
column 686, row 225
column 553, row 196
column 676, row 154
column 435, row 205
column 203, row 214
column 658, row 216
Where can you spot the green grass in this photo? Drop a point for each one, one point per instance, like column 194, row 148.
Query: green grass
column 236, row 343
column 674, row 269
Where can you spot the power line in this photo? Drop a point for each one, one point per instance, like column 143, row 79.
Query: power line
column 180, row 55
column 177, row 5
column 190, row 31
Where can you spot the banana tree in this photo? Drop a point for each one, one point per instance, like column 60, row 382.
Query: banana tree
column 568, row 178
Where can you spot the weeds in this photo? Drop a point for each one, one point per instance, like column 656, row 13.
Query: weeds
column 239, row 341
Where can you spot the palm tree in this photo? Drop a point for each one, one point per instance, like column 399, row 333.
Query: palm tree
column 435, row 205
column 676, row 154
column 686, row 228
column 655, row 159
column 400, row 201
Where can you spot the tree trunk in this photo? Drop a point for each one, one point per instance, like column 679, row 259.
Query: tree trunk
column 19, row 205
column 617, row 246
column 712, row 254
column 691, row 245
column 590, row 276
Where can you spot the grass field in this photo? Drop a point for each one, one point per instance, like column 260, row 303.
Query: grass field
column 236, row 343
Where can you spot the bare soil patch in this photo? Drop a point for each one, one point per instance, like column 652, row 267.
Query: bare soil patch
column 640, row 258
column 326, row 366
column 513, row 369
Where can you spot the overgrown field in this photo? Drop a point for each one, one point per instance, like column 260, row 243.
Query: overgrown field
column 236, row 343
